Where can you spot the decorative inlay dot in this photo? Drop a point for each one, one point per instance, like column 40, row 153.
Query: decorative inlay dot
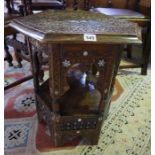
column 56, row 92
column 85, row 53
column 101, row 63
column 105, row 91
column 100, row 118
column 98, row 73
column 109, row 1
column 66, row 63
column 79, row 120
column 77, row 132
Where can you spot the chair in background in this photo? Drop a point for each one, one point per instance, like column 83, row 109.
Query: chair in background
column 8, row 31
column 39, row 5
column 10, row 39
column 32, row 6
column 9, row 14
column 137, row 11
column 15, row 9
column 14, row 6
column 76, row 4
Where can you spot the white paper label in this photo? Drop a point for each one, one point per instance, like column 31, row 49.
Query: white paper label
column 89, row 37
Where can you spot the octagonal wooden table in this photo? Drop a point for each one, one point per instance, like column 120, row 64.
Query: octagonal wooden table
column 82, row 52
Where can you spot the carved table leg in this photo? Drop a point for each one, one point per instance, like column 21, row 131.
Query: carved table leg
column 39, row 111
column 116, row 67
column 94, row 138
column 58, row 140
column 35, row 72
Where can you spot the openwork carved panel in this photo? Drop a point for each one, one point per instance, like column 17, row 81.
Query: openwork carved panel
column 77, row 72
column 89, row 72
column 78, row 125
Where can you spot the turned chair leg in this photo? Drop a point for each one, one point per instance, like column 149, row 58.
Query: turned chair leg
column 8, row 56
column 18, row 58
column 146, row 52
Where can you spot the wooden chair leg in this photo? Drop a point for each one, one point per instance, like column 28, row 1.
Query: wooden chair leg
column 18, row 58
column 146, row 52
column 8, row 56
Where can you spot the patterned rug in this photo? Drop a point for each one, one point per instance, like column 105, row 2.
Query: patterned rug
column 125, row 132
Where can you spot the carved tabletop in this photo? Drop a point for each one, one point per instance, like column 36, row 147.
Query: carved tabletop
column 70, row 26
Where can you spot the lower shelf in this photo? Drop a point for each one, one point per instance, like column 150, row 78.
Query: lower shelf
column 43, row 96
column 129, row 64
